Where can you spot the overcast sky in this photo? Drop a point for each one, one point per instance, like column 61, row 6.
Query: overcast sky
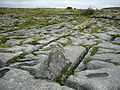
column 59, row 3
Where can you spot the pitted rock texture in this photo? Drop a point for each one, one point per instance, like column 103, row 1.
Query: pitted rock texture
column 16, row 79
column 101, row 79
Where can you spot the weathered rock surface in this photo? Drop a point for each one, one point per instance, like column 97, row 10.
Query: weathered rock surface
column 93, row 65
column 106, row 16
column 7, row 56
column 88, row 60
column 103, row 16
column 104, row 36
column 16, row 79
column 101, row 79
column 43, row 65
column 55, row 65
column 117, row 40
column 12, row 42
column 22, row 48
column 75, row 55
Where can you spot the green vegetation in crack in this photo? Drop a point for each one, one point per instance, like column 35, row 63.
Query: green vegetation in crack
column 89, row 46
column 69, row 42
column 114, row 36
column 2, row 51
column 3, row 40
column 63, row 77
column 86, row 61
column 58, row 32
column 15, row 59
column 94, row 51
column 115, row 43
column 62, row 26
column 48, row 49
column 4, row 46
column 35, row 42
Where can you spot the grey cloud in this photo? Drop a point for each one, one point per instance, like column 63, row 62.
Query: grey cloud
column 60, row 3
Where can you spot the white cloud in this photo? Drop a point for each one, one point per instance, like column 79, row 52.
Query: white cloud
column 60, row 3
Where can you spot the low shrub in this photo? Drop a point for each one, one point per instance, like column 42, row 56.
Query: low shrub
column 88, row 12
column 69, row 7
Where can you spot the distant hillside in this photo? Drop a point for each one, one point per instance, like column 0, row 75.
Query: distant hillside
column 111, row 9
column 4, row 7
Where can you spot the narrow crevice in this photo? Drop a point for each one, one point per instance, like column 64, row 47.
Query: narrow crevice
column 114, row 36
column 3, row 71
column 62, row 79
column 79, row 60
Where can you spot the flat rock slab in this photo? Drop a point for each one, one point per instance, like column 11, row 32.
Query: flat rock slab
column 117, row 40
column 22, row 48
column 104, row 36
column 28, row 40
column 16, row 79
column 7, row 56
column 101, row 79
column 74, row 52
column 106, row 54
column 109, row 45
column 107, row 57
column 12, row 42
column 94, row 64
column 30, row 60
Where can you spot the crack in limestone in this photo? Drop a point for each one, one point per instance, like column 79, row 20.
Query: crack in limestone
column 62, row 79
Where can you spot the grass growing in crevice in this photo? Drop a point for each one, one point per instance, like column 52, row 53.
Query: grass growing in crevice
column 89, row 46
column 58, row 32
column 63, row 77
column 116, row 63
column 70, row 71
column 62, row 26
column 86, row 61
column 69, row 42
column 15, row 59
column 93, row 51
column 114, row 36
column 64, row 36
column 48, row 49
column 3, row 40
column 19, row 38
column 35, row 42
column 35, row 54
column 115, row 43
column 2, row 51
column 4, row 46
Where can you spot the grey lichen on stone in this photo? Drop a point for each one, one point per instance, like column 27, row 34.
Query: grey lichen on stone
column 56, row 64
